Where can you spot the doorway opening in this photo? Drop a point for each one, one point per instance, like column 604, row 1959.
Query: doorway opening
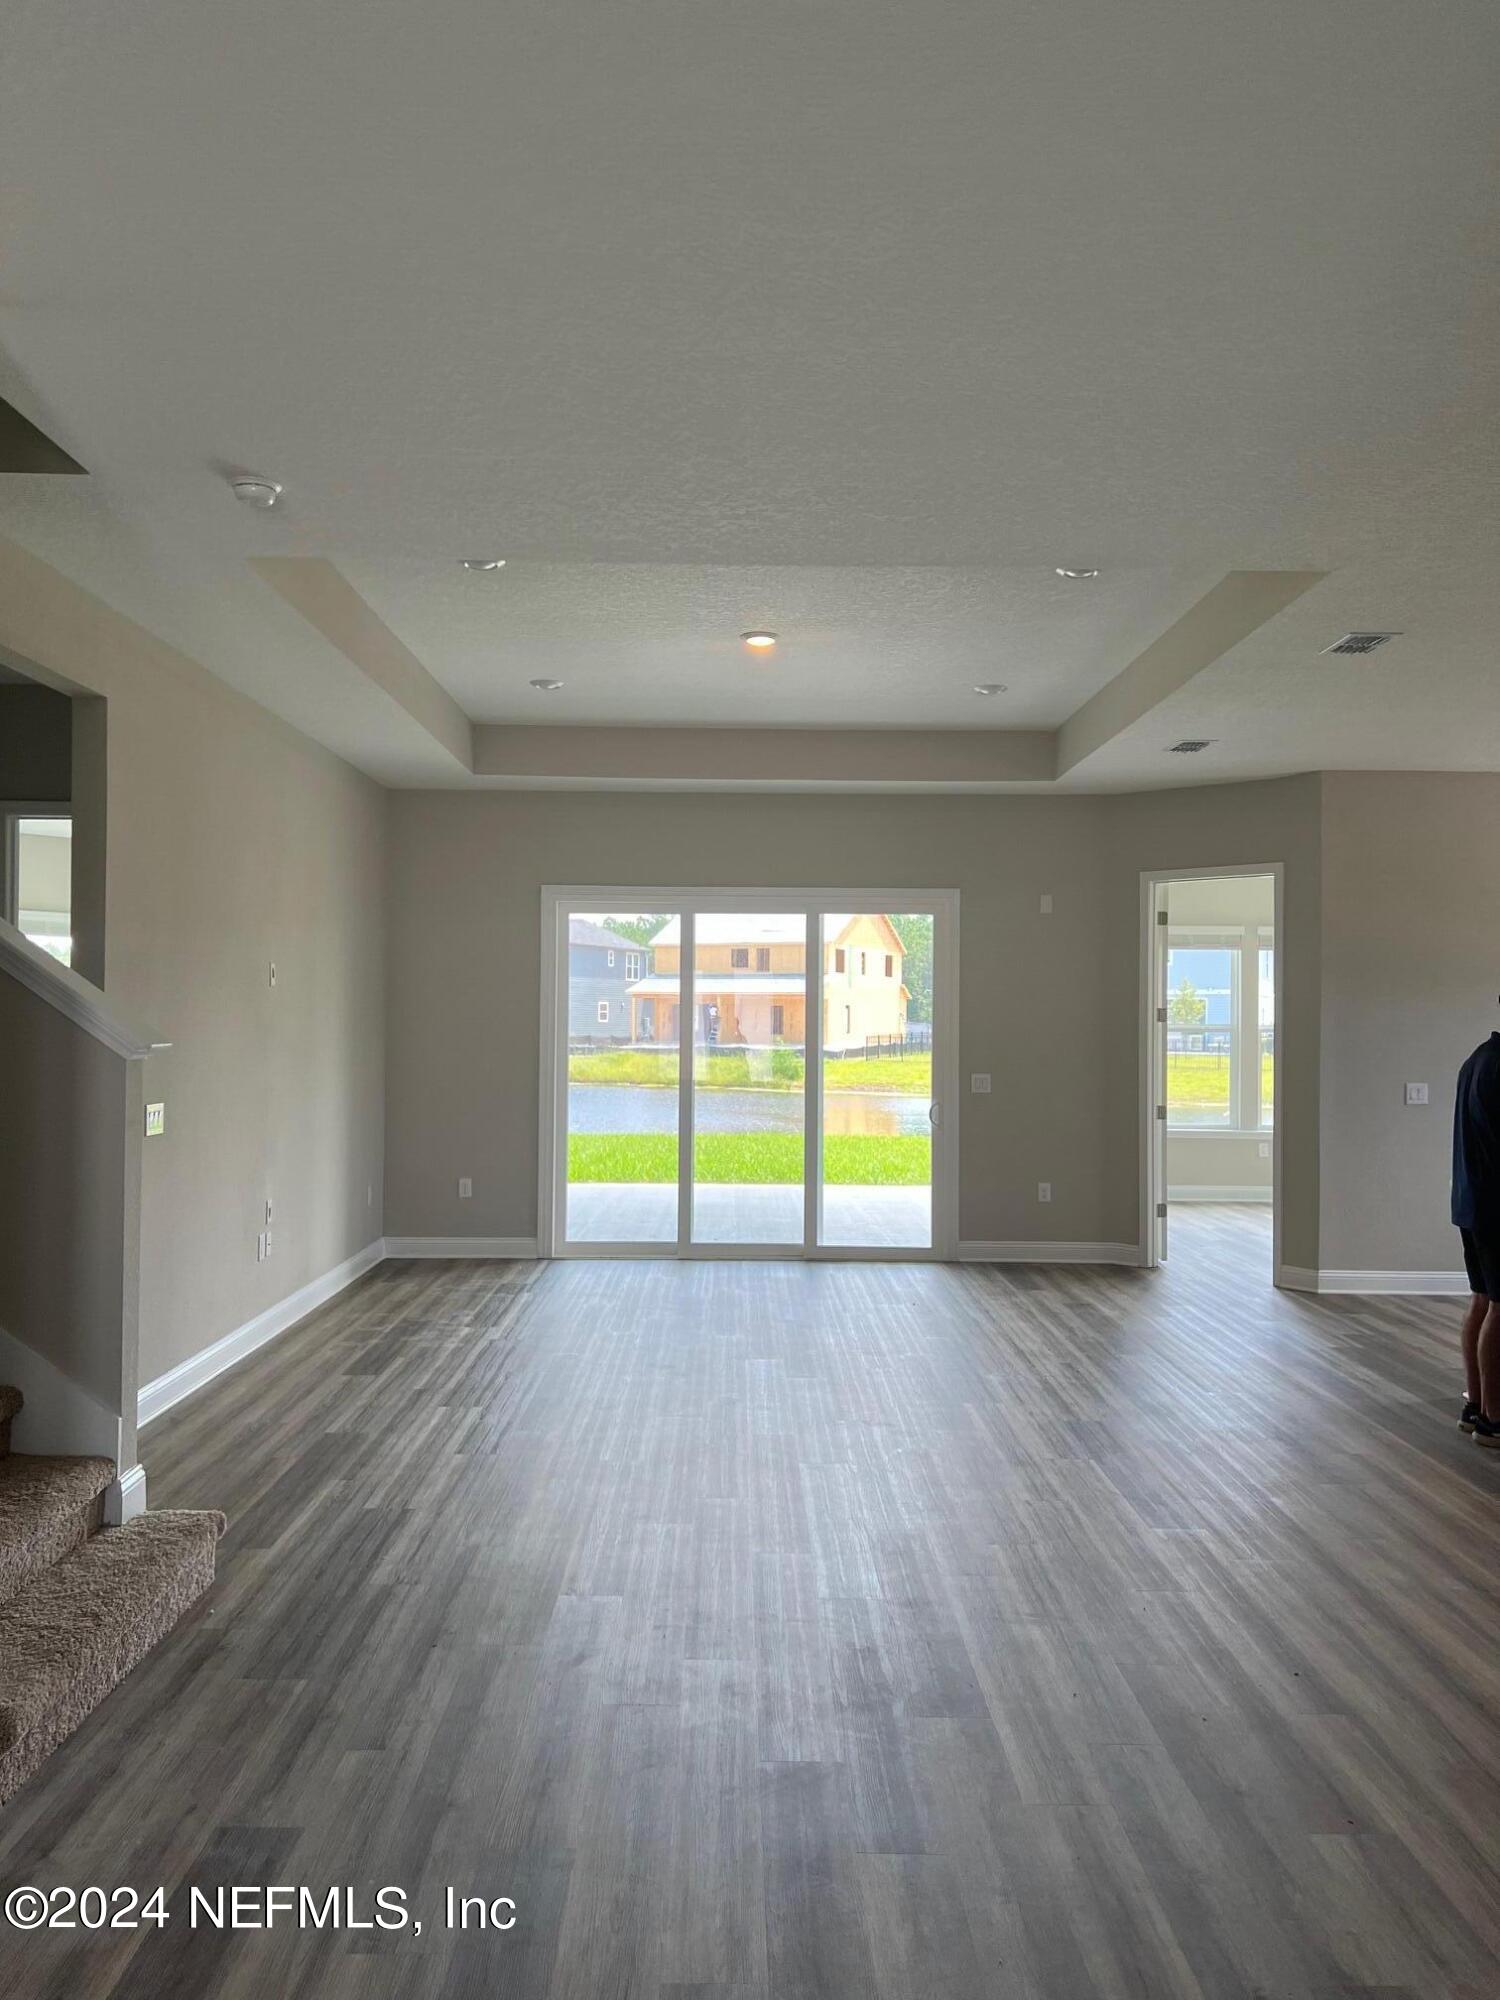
column 1211, row 1018
column 749, row 1074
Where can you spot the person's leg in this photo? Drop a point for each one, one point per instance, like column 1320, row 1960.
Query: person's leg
column 1488, row 1357
column 1474, row 1318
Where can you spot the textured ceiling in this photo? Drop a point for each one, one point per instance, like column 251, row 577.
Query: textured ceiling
column 888, row 309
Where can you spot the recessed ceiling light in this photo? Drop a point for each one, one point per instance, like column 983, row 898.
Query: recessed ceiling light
column 547, row 687
column 255, row 491
column 482, row 562
column 761, row 641
column 1078, row 575
column 989, row 687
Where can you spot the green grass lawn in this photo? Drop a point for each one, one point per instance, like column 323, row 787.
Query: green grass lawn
column 761, row 1069
column 751, row 1159
column 1201, row 1083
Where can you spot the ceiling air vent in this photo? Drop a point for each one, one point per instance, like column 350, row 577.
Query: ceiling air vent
column 1360, row 642
column 23, row 448
column 1189, row 746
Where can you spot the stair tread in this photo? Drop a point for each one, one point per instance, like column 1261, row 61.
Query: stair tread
column 44, row 1503
column 95, row 1607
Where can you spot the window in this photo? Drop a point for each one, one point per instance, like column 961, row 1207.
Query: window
column 603, row 1013
column 611, row 958
column 763, row 958
column 863, row 965
column 838, row 960
column 778, row 1020
column 739, row 958
column 1265, row 1080
column 1202, row 985
column 633, row 964
column 848, row 1020
column 36, row 862
column 890, row 966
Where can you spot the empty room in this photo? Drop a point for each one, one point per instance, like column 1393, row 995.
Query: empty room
column 750, row 1001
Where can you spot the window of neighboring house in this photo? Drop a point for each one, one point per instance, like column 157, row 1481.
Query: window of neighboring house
column 633, row 964
column 37, row 874
column 611, row 958
column 763, row 958
column 739, row 957
column 1203, row 1034
column 890, row 966
column 838, row 960
column 848, row 1020
column 778, row 1020
column 863, row 966
column 603, row 1013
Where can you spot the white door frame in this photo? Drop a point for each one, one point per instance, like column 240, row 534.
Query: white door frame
column 1153, row 1190
column 558, row 899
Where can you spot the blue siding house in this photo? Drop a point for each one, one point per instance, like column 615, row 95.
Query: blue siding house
column 601, row 970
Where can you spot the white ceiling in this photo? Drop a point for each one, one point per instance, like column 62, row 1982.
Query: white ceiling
column 854, row 320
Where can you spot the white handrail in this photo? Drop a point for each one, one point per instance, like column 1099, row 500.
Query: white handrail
column 62, row 988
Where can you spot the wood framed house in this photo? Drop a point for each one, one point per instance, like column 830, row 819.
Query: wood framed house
column 750, row 984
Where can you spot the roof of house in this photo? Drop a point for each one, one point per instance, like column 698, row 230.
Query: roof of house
column 582, row 931
column 768, row 927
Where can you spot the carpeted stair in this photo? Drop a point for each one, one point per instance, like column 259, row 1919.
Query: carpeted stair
column 80, row 1604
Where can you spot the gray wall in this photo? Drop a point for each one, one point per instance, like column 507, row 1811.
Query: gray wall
column 1411, row 970
column 64, row 1188
column 231, row 841
column 1049, row 1005
column 36, row 751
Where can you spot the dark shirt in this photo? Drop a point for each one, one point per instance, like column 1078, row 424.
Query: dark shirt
column 1476, row 1140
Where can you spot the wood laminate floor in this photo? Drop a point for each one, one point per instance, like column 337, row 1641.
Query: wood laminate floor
column 818, row 1630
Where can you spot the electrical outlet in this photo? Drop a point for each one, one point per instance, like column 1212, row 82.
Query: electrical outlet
column 1046, row 906
column 268, row 1242
column 156, row 1120
column 272, row 979
column 979, row 1083
column 465, row 1189
column 1416, row 1093
column 268, row 1211
column 260, row 1248
column 1044, row 1190
column 1265, row 1149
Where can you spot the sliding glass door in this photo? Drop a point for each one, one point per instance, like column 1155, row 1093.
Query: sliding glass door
column 729, row 1075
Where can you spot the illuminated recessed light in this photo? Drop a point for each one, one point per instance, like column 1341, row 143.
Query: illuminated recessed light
column 547, row 687
column 482, row 562
column 1078, row 575
column 989, row 687
column 761, row 641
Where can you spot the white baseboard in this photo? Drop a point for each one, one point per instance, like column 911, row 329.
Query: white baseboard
column 1196, row 1191
column 191, row 1375
column 125, row 1497
column 1438, row 1282
column 461, row 1246
column 1375, row 1283
column 1049, row 1253
column 60, row 1416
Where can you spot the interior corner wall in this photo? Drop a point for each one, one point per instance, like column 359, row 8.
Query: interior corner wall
column 1411, row 971
column 1050, row 1005
column 232, row 842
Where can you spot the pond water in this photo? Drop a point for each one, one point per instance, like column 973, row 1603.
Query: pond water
column 605, row 1107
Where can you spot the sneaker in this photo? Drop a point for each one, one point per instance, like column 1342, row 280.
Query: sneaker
column 1468, row 1416
column 1487, row 1432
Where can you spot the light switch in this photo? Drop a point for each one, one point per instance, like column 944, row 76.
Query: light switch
column 1416, row 1093
column 1046, row 906
column 156, row 1120
column 979, row 1083
column 465, row 1189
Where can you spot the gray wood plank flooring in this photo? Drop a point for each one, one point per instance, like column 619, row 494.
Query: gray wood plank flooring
column 818, row 1630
